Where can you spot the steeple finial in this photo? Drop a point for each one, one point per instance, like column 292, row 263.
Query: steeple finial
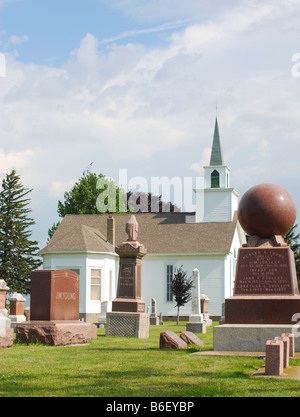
column 216, row 152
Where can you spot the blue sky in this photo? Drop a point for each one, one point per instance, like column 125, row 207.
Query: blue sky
column 132, row 84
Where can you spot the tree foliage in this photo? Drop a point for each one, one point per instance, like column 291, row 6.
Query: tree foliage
column 18, row 253
column 181, row 287
column 292, row 239
column 97, row 194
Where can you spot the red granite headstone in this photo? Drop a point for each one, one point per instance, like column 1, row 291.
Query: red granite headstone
column 54, row 295
column 54, row 311
column 266, row 288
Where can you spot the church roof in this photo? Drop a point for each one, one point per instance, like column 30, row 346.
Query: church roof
column 161, row 233
column 216, row 152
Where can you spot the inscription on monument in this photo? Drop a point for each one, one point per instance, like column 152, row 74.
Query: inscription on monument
column 126, row 281
column 263, row 272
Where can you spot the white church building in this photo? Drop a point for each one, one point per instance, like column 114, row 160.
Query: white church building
column 207, row 239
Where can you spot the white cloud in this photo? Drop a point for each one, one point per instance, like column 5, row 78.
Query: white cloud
column 151, row 109
column 58, row 188
column 16, row 40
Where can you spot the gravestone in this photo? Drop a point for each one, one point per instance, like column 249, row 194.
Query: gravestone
column 170, row 340
column 191, row 339
column 204, row 309
column 266, row 296
column 6, row 332
column 102, row 317
column 128, row 317
column 154, row 319
column 16, row 314
column 196, row 323
column 54, row 311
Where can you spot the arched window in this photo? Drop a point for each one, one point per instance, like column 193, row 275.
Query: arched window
column 215, row 179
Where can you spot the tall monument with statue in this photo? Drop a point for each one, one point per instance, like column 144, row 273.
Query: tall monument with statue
column 128, row 317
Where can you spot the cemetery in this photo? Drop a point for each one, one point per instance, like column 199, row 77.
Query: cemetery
column 253, row 351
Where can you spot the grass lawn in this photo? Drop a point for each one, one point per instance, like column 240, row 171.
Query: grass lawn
column 126, row 367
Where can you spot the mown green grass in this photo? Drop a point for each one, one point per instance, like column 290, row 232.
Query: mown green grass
column 127, row 367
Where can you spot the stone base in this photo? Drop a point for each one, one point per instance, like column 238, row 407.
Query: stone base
column 127, row 324
column 154, row 321
column 261, row 309
column 6, row 338
column 56, row 333
column 15, row 320
column 196, row 327
column 128, row 305
column 250, row 337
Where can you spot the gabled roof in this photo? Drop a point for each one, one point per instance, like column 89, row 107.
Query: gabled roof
column 161, row 233
column 216, row 152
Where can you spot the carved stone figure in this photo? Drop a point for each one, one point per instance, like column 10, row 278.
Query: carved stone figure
column 132, row 229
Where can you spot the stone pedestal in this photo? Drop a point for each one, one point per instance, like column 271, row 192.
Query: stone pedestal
column 56, row 333
column 196, row 322
column 266, row 289
column 250, row 337
column 16, row 309
column 197, row 327
column 127, row 324
column 128, row 317
column 6, row 332
column 265, row 302
column 54, row 311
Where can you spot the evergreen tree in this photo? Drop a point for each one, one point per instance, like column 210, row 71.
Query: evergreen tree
column 181, row 288
column 18, row 254
column 292, row 239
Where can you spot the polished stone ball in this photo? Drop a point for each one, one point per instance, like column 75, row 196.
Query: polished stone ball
column 266, row 210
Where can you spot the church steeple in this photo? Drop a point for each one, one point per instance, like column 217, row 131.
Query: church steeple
column 216, row 202
column 216, row 157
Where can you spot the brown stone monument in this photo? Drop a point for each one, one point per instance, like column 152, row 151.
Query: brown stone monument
column 266, row 296
column 54, row 311
column 129, row 291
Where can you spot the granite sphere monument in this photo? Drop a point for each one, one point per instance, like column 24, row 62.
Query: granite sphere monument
column 267, row 210
column 265, row 296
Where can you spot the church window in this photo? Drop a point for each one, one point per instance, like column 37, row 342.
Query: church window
column 169, row 281
column 215, row 179
column 96, row 284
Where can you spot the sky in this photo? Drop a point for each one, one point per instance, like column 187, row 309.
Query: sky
column 136, row 85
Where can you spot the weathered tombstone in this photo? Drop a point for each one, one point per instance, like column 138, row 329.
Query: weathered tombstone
column 154, row 319
column 266, row 297
column 128, row 317
column 6, row 332
column 191, row 339
column 291, row 337
column 274, row 357
column 204, row 309
column 161, row 322
column 54, row 311
column 170, row 340
column 102, row 317
column 196, row 323
column 16, row 314
column 286, row 349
